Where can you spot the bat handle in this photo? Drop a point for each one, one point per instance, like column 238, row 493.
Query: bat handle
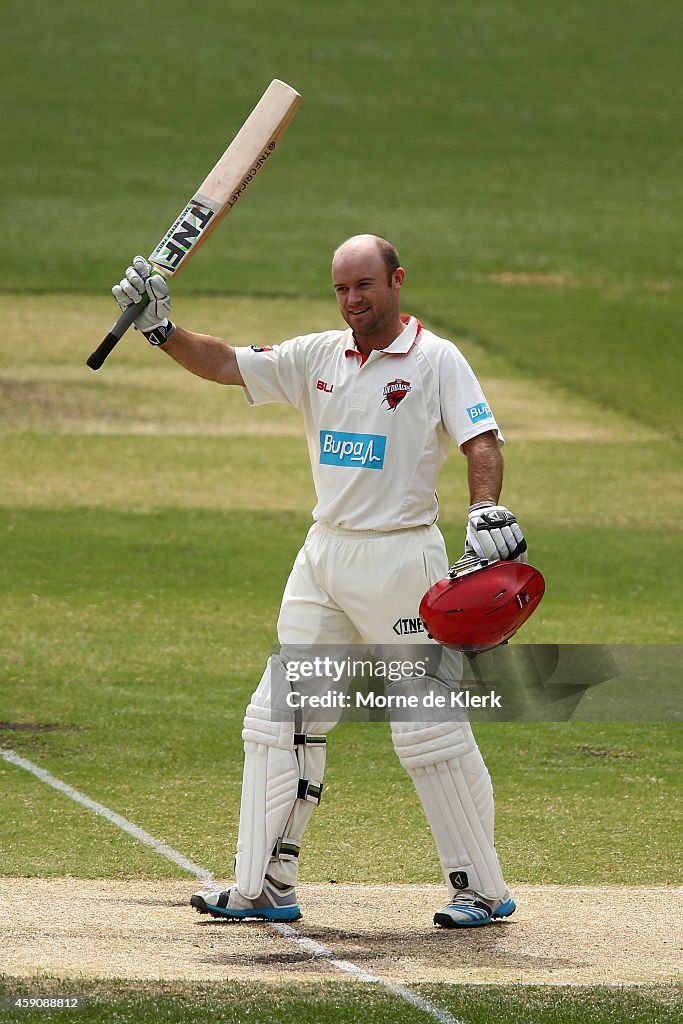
column 115, row 334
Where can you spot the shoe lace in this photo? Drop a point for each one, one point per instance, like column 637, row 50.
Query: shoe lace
column 469, row 899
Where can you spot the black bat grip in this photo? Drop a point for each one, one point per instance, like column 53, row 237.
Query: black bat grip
column 115, row 334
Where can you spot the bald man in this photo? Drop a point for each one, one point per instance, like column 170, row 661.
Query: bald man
column 382, row 403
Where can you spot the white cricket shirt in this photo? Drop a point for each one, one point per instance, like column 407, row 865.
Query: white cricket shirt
column 378, row 429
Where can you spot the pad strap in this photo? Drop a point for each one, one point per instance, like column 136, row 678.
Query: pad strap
column 286, row 849
column 307, row 789
column 303, row 738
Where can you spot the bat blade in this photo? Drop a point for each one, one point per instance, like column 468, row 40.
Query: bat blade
column 227, row 182
column 223, row 187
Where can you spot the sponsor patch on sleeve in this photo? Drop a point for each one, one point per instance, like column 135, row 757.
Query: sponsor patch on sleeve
column 479, row 412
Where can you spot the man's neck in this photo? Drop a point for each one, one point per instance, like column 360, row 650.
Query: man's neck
column 379, row 339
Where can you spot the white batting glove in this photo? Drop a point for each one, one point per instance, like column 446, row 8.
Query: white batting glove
column 138, row 283
column 493, row 533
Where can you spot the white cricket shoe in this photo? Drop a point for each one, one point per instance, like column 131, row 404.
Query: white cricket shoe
column 469, row 910
column 272, row 904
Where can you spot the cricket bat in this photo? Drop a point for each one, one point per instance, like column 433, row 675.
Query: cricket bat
column 243, row 160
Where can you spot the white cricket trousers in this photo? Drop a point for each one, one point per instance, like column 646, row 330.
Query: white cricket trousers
column 355, row 586
column 362, row 587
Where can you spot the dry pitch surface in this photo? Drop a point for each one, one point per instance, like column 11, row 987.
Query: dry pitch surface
column 76, row 928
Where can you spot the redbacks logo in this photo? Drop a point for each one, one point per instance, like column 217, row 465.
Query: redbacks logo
column 261, row 348
column 394, row 392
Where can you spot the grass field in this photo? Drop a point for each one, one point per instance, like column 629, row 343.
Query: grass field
column 350, row 1003
column 528, row 166
column 526, row 158
column 131, row 687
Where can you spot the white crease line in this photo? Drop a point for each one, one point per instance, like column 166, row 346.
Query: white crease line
column 205, row 876
column 357, row 972
column 116, row 819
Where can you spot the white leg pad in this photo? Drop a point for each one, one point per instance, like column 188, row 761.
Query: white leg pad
column 455, row 789
column 281, row 783
column 283, row 866
column 269, row 788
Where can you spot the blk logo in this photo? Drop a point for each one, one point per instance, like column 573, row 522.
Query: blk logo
column 322, row 385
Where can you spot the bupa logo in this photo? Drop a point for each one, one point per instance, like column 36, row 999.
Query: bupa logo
column 179, row 240
column 363, row 451
column 479, row 412
column 405, row 627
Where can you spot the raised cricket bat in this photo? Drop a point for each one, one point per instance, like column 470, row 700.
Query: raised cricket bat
column 242, row 161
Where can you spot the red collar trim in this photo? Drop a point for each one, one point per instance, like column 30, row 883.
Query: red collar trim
column 399, row 342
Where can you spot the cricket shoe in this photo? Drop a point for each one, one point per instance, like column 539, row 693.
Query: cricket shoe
column 469, row 910
column 272, row 904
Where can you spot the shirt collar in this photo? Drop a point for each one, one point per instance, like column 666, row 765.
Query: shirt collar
column 400, row 346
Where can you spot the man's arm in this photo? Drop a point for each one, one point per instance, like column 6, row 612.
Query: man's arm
column 492, row 530
column 484, row 467
column 204, row 355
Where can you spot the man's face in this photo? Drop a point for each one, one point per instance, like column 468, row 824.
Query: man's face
column 368, row 301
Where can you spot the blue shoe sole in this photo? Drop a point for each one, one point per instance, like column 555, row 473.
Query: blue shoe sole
column 446, row 921
column 292, row 913
column 505, row 909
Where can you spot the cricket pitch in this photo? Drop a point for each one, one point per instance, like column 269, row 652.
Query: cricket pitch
column 145, row 930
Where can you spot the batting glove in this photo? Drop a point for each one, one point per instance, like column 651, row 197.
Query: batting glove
column 140, row 283
column 493, row 533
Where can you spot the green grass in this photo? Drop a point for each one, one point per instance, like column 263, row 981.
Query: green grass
column 526, row 159
column 141, row 579
column 236, row 1003
column 149, row 521
column 105, row 644
column 618, row 346
column 532, row 139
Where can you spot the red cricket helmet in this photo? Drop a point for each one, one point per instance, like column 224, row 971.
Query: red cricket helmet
column 480, row 604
